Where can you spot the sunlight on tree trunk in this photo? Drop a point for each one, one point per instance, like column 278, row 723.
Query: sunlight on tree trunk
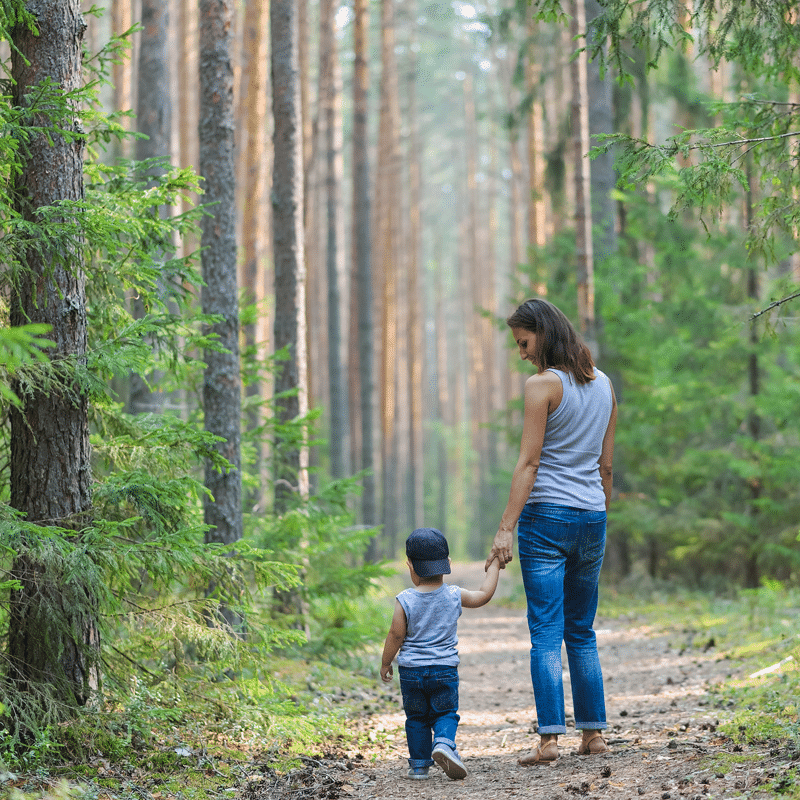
column 385, row 260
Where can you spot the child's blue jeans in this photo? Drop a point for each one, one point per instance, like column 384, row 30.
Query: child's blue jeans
column 430, row 700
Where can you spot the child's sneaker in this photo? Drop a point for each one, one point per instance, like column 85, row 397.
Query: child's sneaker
column 418, row 773
column 448, row 760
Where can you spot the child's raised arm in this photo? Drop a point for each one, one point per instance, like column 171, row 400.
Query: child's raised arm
column 394, row 639
column 476, row 599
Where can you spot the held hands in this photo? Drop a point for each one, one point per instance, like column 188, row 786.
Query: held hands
column 501, row 549
column 387, row 672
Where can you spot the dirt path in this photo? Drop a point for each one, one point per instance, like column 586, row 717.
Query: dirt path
column 660, row 727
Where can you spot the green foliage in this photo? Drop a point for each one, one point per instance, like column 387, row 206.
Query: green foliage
column 705, row 468
column 748, row 143
column 20, row 347
column 337, row 585
column 140, row 564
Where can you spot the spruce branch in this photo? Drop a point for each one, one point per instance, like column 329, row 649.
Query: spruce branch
column 773, row 305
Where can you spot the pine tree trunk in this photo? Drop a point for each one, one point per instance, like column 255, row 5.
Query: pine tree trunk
column 362, row 320
column 443, row 400
column 187, row 105
column 601, row 121
column 253, row 119
column 154, row 120
column 385, row 260
column 287, row 220
column 579, row 119
column 122, row 71
column 537, row 236
column 221, row 379
column 415, row 302
column 752, row 576
column 330, row 120
column 53, row 637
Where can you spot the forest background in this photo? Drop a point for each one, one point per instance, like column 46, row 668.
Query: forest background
column 233, row 463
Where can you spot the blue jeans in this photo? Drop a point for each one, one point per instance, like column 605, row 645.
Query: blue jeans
column 560, row 553
column 430, row 700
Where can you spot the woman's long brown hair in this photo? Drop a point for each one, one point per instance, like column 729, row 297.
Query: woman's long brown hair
column 558, row 344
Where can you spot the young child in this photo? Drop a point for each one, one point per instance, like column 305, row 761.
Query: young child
column 423, row 630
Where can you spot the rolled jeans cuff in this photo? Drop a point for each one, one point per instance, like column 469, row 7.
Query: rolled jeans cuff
column 551, row 729
column 417, row 763
column 441, row 740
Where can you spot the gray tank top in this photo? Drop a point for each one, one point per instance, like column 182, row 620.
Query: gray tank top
column 431, row 623
column 569, row 471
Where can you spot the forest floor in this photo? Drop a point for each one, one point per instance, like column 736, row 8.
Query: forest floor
column 662, row 730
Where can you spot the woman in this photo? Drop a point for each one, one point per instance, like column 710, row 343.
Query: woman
column 559, row 496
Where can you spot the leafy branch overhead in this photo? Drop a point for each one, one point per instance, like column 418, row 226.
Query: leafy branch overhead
column 752, row 140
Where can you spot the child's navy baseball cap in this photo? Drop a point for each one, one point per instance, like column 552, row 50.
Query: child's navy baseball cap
column 428, row 552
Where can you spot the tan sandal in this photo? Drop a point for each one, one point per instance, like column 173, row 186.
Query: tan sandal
column 543, row 755
column 592, row 747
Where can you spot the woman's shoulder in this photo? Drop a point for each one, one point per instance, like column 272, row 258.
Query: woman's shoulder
column 546, row 381
column 549, row 376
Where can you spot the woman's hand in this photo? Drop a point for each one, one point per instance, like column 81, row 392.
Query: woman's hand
column 501, row 549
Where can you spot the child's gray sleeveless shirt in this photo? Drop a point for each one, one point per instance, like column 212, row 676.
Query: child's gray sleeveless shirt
column 431, row 623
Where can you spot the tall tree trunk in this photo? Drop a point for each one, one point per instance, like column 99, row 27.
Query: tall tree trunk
column 362, row 337
column 535, row 129
column 385, row 254
column 253, row 119
column 221, row 380
column 154, row 120
column 291, row 379
column 315, row 284
column 579, row 119
column 287, row 224
column 330, row 119
column 414, row 330
column 752, row 577
column 443, row 402
column 53, row 635
column 188, row 101
column 601, row 121
column 122, row 71
column 475, row 280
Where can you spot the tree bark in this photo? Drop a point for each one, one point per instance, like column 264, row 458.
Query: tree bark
column 154, row 120
column 330, row 120
column 579, row 119
column 415, row 302
column 253, row 119
column 221, row 379
column 122, row 72
column 752, row 576
column 54, row 641
column 536, row 219
column 601, row 121
column 362, row 335
column 187, row 105
column 385, row 258
column 291, row 380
